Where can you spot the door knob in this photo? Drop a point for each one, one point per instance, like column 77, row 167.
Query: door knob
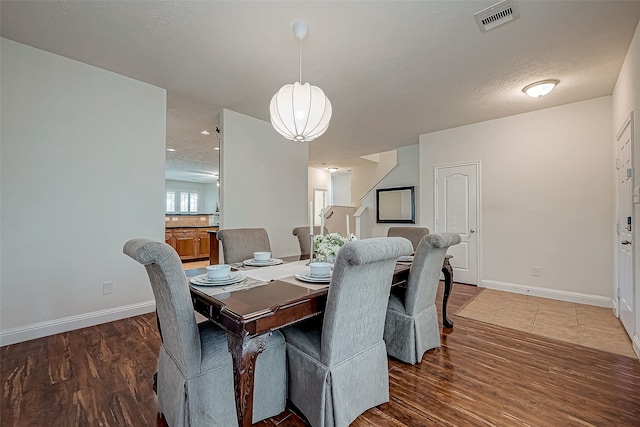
column 625, row 242
column 472, row 231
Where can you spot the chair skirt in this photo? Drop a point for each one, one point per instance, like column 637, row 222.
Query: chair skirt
column 409, row 337
column 334, row 396
column 208, row 399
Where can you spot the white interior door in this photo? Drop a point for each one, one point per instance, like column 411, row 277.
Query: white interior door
column 624, row 168
column 457, row 212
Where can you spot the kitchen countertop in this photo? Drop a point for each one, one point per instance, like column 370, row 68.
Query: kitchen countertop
column 189, row 214
column 191, row 226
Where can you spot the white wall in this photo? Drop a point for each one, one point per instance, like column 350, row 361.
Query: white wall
column 263, row 181
column 364, row 178
column 211, row 198
column 321, row 179
column 626, row 98
column 341, row 189
column 83, row 159
column 547, row 199
column 208, row 193
column 406, row 174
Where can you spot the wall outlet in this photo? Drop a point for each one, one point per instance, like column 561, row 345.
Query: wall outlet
column 202, row 218
column 107, row 288
column 537, row 271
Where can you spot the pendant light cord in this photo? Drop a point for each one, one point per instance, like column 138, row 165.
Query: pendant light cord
column 300, row 60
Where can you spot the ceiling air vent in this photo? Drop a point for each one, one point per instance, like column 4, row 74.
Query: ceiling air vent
column 496, row 15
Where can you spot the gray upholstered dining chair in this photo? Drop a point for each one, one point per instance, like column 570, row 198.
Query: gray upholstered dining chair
column 338, row 369
column 195, row 374
column 239, row 244
column 411, row 327
column 302, row 233
column 414, row 234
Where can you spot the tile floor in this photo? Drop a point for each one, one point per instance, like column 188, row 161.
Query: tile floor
column 595, row 327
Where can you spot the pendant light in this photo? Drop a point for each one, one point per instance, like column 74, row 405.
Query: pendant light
column 300, row 112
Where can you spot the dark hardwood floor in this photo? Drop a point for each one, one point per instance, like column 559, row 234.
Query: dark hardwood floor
column 483, row 375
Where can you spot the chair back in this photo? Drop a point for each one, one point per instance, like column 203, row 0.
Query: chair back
column 424, row 275
column 414, row 234
column 173, row 301
column 239, row 244
column 302, row 233
column 358, row 295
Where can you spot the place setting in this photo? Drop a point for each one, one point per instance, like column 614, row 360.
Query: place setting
column 261, row 259
column 218, row 275
column 319, row 272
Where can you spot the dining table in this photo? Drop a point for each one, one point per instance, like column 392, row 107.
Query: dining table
column 270, row 298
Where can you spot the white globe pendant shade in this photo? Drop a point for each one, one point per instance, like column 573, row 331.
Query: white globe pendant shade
column 300, row 112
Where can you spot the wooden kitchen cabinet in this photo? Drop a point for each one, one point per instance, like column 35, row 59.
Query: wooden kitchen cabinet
column 169, row 239
column 186, row 243
column 203, row 243
column 190, row 243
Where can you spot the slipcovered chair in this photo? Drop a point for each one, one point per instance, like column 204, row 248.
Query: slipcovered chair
column 195, row 374
column 411, row 327
column 414, row 234
column 302, row 233
column 338, row 369
column 239, row 244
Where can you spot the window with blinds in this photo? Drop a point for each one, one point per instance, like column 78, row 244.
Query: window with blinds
column 171, row 201
column 182, row 201
column 188, row 201
column 193, row 202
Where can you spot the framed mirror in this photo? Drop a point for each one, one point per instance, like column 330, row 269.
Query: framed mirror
column 395, row 205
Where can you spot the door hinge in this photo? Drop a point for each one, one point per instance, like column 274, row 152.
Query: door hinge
column 629, row 173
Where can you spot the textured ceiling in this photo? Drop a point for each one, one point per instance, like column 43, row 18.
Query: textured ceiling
column 392, row 69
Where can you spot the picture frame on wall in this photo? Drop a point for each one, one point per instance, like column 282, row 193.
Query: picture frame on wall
column 396, row 205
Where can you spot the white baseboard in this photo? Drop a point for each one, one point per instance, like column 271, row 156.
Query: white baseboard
column 556, row 294
column 614, row 306
column 65, row 324
column 636, row 345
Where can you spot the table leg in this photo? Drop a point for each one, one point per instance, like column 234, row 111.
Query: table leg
column 447, row 270
column 244, row 352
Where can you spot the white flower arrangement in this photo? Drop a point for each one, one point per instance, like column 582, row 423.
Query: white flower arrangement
column 329, row 244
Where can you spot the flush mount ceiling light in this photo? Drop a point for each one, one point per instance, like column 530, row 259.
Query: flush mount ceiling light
column 205, row 132
column 300, row 112
column 332, row 170
column 541, row 88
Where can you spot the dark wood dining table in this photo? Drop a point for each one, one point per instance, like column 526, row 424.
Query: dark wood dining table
column 250, row 315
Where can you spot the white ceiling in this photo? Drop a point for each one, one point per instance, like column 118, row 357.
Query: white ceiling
column 392, row 69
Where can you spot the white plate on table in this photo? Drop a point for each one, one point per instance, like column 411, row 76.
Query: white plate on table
column 313, row 279
column 256, row 263
column 204, row 280
column 406, row 258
